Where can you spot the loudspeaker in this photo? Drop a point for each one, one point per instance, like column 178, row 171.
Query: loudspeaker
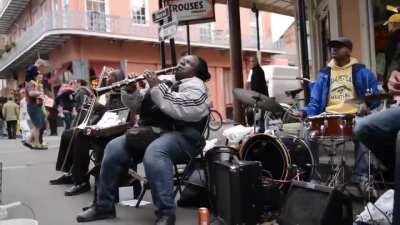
column 235, row 187
column 312, row 204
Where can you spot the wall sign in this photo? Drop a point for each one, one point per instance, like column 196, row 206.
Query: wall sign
column 192, row 11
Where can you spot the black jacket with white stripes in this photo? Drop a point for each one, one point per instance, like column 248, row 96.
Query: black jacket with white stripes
column 171, row 107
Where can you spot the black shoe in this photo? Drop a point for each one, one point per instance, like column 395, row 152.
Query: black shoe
column 166, row 220
column 64, row 179
column 88, row 207
column 78, row 189
column 96, row 213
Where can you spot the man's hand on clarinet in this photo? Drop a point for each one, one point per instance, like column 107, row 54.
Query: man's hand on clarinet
column 132, row 87
column 151, row 78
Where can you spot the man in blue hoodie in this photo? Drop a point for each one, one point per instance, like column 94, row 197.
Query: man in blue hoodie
column 343, row 79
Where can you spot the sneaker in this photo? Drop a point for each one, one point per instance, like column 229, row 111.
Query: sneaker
column 42, row 147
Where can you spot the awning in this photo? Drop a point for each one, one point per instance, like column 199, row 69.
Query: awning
column 285, row 7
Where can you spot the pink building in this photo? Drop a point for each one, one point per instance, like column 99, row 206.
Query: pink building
column 85, row 35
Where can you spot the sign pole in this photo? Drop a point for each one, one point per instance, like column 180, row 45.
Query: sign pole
column 188, row 39
column 173, row 51
column 162, row 44
column 301, row 11
column 256, row 12
column 235, row 55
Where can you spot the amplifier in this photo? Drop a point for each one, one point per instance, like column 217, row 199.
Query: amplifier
column 1, row 177
column 312, row 204
column 236, row 189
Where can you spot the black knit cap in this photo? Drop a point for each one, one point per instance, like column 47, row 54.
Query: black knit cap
column 202, row 69
column 341, row 42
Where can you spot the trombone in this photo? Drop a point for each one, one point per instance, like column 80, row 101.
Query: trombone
column 92, row 102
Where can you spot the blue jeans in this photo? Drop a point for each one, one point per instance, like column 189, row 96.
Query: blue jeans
column 360, row 170
column 160, row 156
column 67, row 120
column 378, row 132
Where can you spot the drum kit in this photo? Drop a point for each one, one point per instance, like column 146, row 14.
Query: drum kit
column 285, row 157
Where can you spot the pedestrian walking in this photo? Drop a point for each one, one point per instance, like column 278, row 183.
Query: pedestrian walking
column 36, row 111
column 65, row 100
column 24, row 120
column 10, row 113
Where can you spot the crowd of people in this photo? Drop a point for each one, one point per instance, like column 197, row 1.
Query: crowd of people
column 35, row 109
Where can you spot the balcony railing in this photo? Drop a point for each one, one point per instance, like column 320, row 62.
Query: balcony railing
column 3, row 4
column 71, row 22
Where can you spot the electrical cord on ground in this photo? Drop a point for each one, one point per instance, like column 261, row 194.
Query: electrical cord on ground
column 31, row 210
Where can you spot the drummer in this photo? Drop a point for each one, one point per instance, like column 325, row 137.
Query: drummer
column 342, row 80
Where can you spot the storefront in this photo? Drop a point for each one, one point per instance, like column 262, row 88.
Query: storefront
column 360, row 20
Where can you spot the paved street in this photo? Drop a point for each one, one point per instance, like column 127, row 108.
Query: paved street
column 26, row 176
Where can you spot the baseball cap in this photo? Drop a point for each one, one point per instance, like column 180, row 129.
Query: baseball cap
column 341, row 41
column 395, row 18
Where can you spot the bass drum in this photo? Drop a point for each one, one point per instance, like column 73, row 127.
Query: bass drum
column 282, row 158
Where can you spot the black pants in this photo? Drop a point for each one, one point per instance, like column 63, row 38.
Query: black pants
column 65, row 139
column 78, row 159
column 75, row 155
column 12, row 129
column 53, row 125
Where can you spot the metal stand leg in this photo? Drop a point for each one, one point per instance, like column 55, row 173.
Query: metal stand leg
column 338, row 170
column 144, row 189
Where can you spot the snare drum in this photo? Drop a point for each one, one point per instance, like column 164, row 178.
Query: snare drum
column 331, row 126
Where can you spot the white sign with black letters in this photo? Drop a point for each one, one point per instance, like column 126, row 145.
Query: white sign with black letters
column 192, row 11
column 161, row 14
column 168, row 30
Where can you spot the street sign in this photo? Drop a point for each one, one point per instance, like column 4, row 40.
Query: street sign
column 192, row 11
column 161, row 14
column 168, row 30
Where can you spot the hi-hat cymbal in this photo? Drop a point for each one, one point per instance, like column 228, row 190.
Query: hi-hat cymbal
column 259, row 100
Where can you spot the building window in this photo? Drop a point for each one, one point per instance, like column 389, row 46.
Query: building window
column 96, row 6
column 253, row 24
column 206, row 32
column 139, row 11
column 325, row 37
column 96, row 12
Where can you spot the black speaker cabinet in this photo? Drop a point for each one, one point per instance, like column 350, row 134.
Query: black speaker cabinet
column 236, row 189
column 312, row 204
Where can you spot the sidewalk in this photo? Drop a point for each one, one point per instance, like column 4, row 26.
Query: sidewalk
column 26, row 175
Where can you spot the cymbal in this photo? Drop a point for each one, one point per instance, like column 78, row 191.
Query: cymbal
column 259, row 100
column 369, row 98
